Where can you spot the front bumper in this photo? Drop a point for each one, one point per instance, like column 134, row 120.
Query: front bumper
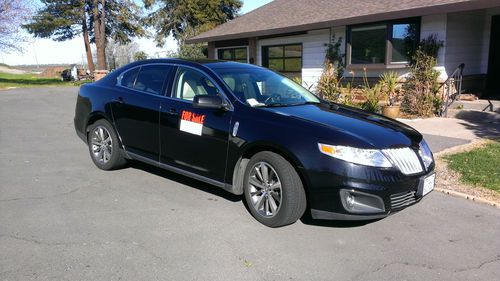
column 328, row 183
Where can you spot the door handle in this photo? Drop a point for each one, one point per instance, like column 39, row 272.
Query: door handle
column 172, row 112
column 119, row 100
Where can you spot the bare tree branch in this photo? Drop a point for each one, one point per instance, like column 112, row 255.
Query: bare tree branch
column 13, row 13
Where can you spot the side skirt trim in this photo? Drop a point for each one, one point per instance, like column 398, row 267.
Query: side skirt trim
column 222, row 185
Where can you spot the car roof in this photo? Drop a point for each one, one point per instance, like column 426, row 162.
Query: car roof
column 210, row 63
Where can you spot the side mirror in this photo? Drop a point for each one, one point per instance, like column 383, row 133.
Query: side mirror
column 206, row 101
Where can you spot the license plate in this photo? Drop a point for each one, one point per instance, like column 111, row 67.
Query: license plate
column 428, row 185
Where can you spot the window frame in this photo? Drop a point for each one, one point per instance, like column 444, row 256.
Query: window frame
column 265, row 57
column 233, row 52
column 388, row 43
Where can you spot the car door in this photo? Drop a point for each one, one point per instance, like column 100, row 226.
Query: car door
column 194, row 139
column 137, row 107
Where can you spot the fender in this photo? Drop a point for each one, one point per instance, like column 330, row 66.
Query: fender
column 247, row 151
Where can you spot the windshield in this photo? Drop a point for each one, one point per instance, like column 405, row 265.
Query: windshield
column 262, row 87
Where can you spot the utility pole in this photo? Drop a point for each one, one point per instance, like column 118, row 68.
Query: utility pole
column 34, row 51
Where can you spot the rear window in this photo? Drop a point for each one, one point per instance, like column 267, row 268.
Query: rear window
column 151, row 78
column 127, row 79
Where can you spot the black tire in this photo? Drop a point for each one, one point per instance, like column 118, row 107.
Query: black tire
column 116, row 160
column 293, row 198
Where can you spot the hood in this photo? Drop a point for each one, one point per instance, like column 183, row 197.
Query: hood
column 374, row 129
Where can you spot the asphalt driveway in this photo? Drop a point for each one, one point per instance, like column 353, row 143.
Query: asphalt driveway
column 63, row 219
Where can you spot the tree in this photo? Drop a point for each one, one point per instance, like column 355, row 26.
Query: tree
column 140, row 55
column 177, row 17
column 12, row 15
column 118, row 55
column 191, row 51
column 95, row 20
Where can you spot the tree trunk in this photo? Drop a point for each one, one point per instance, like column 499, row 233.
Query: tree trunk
column 86, row 40
column 100, row 33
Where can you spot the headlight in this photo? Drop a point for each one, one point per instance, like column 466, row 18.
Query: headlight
column 368, row 157
column 426, row 153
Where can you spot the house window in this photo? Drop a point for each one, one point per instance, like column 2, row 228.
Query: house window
column 239, row 54
column 383, row 43
column 286, row 59
column 368, row 44
column 403, row 41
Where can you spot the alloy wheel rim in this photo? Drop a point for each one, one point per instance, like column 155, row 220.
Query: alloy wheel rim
column 102, row 144
column 265, row 189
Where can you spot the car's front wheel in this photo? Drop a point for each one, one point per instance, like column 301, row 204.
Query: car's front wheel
column 104, row 147
column 273, row 190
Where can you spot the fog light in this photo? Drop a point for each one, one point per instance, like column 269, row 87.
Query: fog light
column 360, row 202
column 349, row 200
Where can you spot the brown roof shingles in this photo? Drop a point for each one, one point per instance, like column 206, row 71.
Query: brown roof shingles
column 284, row 16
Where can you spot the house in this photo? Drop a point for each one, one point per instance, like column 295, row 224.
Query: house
column 290, row 36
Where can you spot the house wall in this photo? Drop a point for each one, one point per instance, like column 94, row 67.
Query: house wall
column 464, row 41
column 467, row 41
column 313, row 52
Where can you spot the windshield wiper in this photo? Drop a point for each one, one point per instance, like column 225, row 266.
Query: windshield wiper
column 276, row 104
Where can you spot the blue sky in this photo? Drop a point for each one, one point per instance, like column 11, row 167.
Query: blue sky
column 47, row 51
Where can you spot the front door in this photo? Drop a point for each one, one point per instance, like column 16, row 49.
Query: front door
column 194, row 139
column 136, row 111
column 493, row 79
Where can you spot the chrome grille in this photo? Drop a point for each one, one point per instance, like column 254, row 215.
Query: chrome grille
column 400, row 200
column 405, row 159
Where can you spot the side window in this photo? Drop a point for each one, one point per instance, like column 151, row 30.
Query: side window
column 151, row 78
column 191, row 83
column 127, row 79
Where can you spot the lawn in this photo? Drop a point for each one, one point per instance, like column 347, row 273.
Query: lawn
column 29, row 80
column 478, row 167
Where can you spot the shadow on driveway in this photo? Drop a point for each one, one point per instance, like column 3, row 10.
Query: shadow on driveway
column 205, row 187
column 216, row 191
column 481, row 124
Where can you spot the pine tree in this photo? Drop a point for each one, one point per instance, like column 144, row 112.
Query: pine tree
column 180, row 17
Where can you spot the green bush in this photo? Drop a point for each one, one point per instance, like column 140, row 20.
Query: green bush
column 372, row 96
column 389, row 82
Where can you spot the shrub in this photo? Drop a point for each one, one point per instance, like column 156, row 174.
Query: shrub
column 429, row 46
column 389, row 82
column 421, row 88
column 140, row 55
column 335, row 56
column 372, row 95
column 328, row 86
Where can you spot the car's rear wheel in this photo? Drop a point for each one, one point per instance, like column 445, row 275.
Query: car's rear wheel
column 273, row 190
column 104, row 146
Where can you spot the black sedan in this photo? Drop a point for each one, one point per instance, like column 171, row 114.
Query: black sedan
column 251, row 131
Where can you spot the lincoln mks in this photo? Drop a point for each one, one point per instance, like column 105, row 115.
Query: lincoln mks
column 255, row 133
